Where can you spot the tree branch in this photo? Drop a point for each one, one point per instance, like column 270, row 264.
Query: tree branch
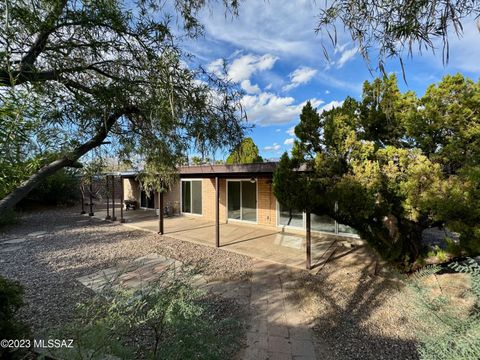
column 40, row 42
column 68, row 160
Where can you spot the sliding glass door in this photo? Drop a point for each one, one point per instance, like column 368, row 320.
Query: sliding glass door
column 147, row 200
column 192, row 196
column 321, row 223
column 242, row 200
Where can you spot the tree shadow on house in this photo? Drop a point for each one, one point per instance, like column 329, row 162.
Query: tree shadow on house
column 356, row 312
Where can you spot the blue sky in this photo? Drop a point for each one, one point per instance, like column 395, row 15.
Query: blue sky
column 274, row 53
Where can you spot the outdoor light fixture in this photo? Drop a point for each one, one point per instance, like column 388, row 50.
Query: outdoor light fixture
column 252, row 180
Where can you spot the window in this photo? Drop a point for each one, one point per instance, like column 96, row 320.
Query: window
column 320, row 223
column 192, row 196
column 292, row 218
column 242, row 200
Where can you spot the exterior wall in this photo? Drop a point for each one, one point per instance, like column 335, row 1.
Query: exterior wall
column 208, row 198
column 172, row 198
column 131, row 189
column 266, row 203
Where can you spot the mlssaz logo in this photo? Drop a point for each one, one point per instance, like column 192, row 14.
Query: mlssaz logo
column 53, row 343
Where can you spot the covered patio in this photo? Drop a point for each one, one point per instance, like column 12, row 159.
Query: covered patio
column 260, row 242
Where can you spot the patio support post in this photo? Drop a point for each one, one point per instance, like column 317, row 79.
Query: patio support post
column 82, row 192
column 160, row 209
column 113, row 198
column 122, row 220
column 308, row 241
column 108, row 217
column 91, row 197
column 217, row 212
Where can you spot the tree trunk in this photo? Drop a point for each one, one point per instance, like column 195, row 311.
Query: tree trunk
column 70, row 159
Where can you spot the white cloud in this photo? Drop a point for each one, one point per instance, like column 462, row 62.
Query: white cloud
column 216, row 66
column 249, row 87
column 300, row 76
column 267, row 108
column 278, row 130
column 267, row 27
column 346, row 56
column 330, row 106
column 245, row 66
column 289, row 141
column 327, row 92
column 291, row 131
column 274, row 147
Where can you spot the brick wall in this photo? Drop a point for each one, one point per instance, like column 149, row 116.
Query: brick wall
column 266, row 202
column 131, row 189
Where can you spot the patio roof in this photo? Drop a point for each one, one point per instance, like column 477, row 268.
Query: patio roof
column 218, row 170
column 224, row 170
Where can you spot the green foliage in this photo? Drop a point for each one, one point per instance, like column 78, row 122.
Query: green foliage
column 448, row 334
column 166, row 320
column 11, row 300
column 19, row 125
column 439, row 253
column 197, row 160
column 61, row 188
column 392, row 165
column 122, row 87
column 245, row 153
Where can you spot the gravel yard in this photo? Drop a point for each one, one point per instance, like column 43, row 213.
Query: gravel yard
column 61, row 245
column 356, row 311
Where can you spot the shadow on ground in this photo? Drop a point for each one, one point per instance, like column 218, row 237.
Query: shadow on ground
column 355, row 312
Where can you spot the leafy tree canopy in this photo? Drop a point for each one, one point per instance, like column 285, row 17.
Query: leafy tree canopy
column 75, row 75
column 392, row 164
column 245, row 153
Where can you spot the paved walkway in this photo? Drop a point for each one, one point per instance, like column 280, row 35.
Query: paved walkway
column 276, row 329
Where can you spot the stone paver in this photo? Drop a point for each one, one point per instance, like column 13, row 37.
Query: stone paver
column 9, row 248
column 13, row 241
column 277, row 329
column 37, row 234
column 274, row 322
column 136, row 273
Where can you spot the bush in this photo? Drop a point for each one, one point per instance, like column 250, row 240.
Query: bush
column 61, row 188
column 11, row 300
column 162, row 321
column 449, row 334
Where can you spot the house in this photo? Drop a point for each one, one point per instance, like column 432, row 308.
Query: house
column 245, row 195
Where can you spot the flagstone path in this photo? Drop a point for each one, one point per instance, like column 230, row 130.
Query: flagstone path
column 276, row 329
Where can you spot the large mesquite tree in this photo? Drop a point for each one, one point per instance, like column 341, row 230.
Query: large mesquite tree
column 391, row 165
column 78, row 74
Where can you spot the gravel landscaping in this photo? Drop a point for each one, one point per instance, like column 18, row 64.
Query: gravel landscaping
column 356, row 309
column 49, row 249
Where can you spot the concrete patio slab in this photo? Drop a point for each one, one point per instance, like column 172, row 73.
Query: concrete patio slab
column 265, row 243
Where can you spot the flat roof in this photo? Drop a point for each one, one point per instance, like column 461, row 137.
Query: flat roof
column 221, row 170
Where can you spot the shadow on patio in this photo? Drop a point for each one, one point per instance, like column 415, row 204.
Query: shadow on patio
column 266, row 243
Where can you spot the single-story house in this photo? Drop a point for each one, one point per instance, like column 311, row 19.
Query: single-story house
column 245, row 195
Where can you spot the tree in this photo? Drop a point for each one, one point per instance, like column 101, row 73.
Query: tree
column 112, row 73
column 197, row 160
column 245, row 153
column 385, row 167
column 397, row 27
